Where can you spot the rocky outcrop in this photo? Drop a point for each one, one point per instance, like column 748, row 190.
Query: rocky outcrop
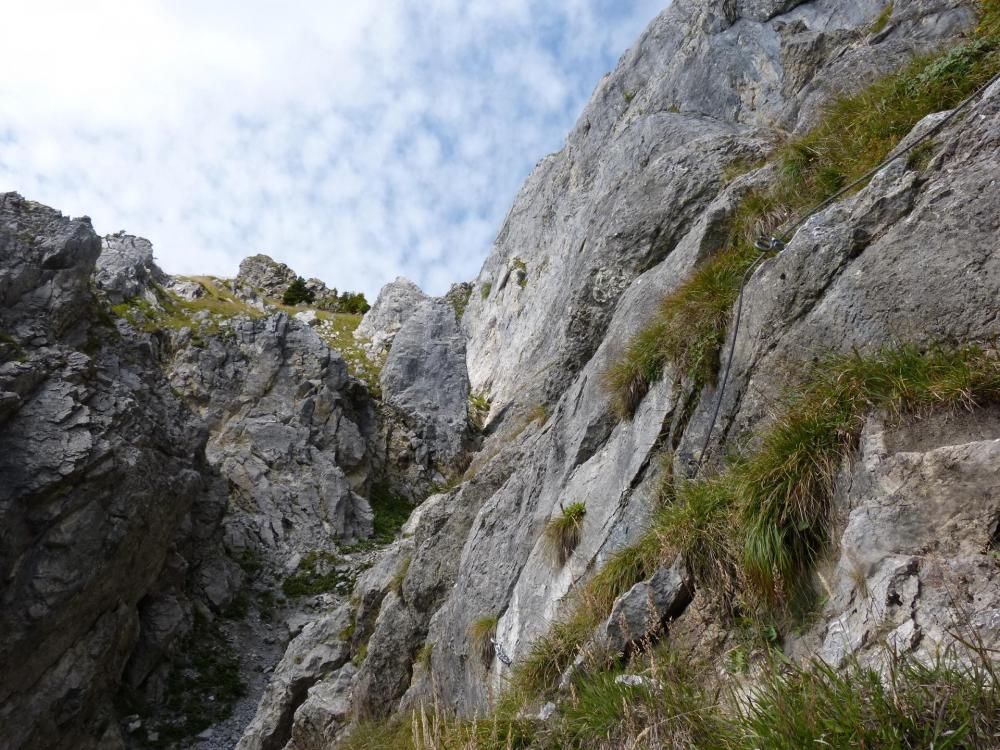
column 290, row 431
column 706, row 86
column 315, row 653
column 125, row 267
column 642, row 193
column 395, row 303
column 425, row 381
column 101, row 467
column 265, row 275
column 641, row 613
column 915, row 565
column 262, row 276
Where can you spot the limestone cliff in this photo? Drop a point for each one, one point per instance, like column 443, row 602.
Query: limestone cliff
column 186, row 458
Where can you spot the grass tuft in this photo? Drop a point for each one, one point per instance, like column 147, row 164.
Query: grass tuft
column 482, row 633
column 396, row 584
column 562, row 532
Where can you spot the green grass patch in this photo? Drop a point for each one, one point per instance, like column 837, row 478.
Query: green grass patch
column 855, row 133
column 949, row 701
column 391, row 511
column 318, row 573
column 337, row 330
column 423, row 657
column 396, row 583
column 690, row 326
column 479, row 409
column 520, row 272
column 883, row 19
column 941, row 703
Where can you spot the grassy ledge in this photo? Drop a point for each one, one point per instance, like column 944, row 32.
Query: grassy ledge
column 856, row 132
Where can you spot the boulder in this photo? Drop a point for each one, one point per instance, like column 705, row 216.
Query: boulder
column 396, row 302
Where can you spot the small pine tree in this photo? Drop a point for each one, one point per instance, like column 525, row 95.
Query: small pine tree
column 298, row 293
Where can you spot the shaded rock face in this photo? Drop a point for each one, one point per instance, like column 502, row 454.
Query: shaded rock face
column 290, row 431
column 102, row 467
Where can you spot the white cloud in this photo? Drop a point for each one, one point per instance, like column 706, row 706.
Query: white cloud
column 355, row 141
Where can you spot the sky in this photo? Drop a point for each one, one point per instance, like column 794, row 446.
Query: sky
column 355, row 141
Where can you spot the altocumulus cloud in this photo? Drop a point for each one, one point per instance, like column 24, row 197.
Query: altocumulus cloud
column 353, row 140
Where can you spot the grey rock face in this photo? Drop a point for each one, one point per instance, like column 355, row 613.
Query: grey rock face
column 396, row 302
column 702, row 88
column 643, row 611
column 100, row 466
column 893, row 263
column 289, row 430
column 264, row 274
column 125, row 267
column 426, row 382
column 913, row 566
column 313, row 654
column 620, row 217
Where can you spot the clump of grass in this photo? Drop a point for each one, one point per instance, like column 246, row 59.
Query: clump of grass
column 391, row 511
column 856, row 132
column 485, row 289
column 396, row 584
column 663, row 701
column 423, row 657
column 318, row 573
column 551, row 655
column 949, row 701
column 482, row 633
column 755, row 530
column 882, row 20
column 520, row 272
column 479, row 409
column 563, row 531
column 538, row 414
